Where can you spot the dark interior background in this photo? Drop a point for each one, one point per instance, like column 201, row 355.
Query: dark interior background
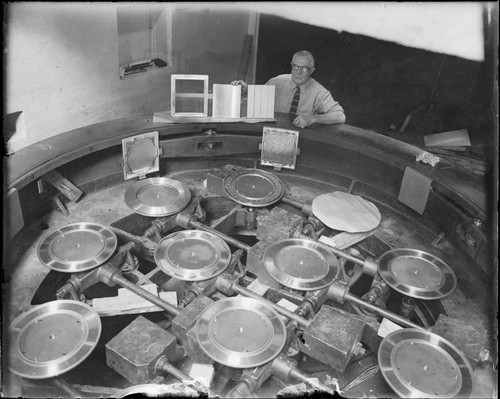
column 379, row 83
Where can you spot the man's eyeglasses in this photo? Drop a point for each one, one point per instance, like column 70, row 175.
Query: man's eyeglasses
column 302, row 69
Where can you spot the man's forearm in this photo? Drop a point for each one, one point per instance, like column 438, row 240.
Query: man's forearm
column 329, row 118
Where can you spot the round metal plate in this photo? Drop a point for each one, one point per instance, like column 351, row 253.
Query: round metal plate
column 417, row 274
column 52, row 338
column 157, row 196
column 253, row 187
column 192, row 255
column 77, row 247
column 301, row 264
column 420, row 364
column 240, row 332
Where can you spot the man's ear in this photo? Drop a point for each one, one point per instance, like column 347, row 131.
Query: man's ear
column 312, row 70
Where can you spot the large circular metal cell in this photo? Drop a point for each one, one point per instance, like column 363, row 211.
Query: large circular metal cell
column 301, row 264
column 253, row 187
column 77, row 247
column 420, row 364
column 157, row 196
column 192, row 255
column 52, row 338
column 240, row 332
column 417, row 274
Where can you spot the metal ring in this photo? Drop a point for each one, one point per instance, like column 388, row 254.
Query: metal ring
column 240, row 332
column 77, row 247
column 52, row 338
column 301, row 264
column 157, row 196
column 417, row 274
column 192, row 255
column 421, row 364
column 253, row 187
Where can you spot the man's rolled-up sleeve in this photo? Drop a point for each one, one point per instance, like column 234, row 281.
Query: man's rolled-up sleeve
column 325, row 103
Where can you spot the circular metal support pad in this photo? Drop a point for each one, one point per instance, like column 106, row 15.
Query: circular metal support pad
column 240, row 332
column 192, row 255
column 420, row 364
column 253, row 187
column 77, row 247
column 52, row 338
column 417, row 274
column 157, row 196
column 301, row 264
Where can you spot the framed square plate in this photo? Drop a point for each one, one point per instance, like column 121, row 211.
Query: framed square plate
column 279, row 147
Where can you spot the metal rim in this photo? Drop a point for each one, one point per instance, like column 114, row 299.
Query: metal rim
column 257, row 333
column 173, row 197
column 302, row 254
column 421, row 364
column 271, row 188
column 77, row 247
column 52, row 338
column 421, row 275
column 192, row 255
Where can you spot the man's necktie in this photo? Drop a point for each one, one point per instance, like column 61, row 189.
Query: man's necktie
column 295, row 101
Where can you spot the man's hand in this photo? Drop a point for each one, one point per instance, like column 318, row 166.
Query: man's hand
column 240, row 83
column 303, row 121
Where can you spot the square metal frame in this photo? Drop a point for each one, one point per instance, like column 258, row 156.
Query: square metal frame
column 279, row 147
column 204, row 95
column 151, row 155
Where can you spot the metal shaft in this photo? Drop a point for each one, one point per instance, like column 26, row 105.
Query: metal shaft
column 166, row 367
column 390, row 315
column 338, row 252
column 118, row 279
column 225, row 237
column 292, row 202
column 285, row 312
column 299, row 375
column 66, row 387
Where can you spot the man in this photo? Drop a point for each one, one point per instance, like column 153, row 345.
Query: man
column 302, row 96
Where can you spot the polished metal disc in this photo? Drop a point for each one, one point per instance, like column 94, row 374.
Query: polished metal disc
column 417, row 274
column 421, row 364
column 192, row 255
column 77, row 247
column 157, row 196
column 52, row 338
column 240, row 332
column 301, row 264
column 253, row 187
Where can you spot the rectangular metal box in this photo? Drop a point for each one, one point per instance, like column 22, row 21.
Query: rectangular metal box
column 331, row 337
column 133, row 353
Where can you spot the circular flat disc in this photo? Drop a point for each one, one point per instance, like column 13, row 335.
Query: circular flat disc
column 157, row 196
column 192, row 255
column 240, row 332
column 417, row 274
column 346, row 212
column 301, row 264
column 421, row 364
column 253, row 187
column 77, row 247
column 52, row 338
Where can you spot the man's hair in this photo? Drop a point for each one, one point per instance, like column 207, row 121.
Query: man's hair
column 305, row 53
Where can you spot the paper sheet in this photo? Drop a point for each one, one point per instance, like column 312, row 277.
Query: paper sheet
column 346, row 212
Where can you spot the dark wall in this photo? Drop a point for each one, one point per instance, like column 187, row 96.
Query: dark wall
column 379, row 83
